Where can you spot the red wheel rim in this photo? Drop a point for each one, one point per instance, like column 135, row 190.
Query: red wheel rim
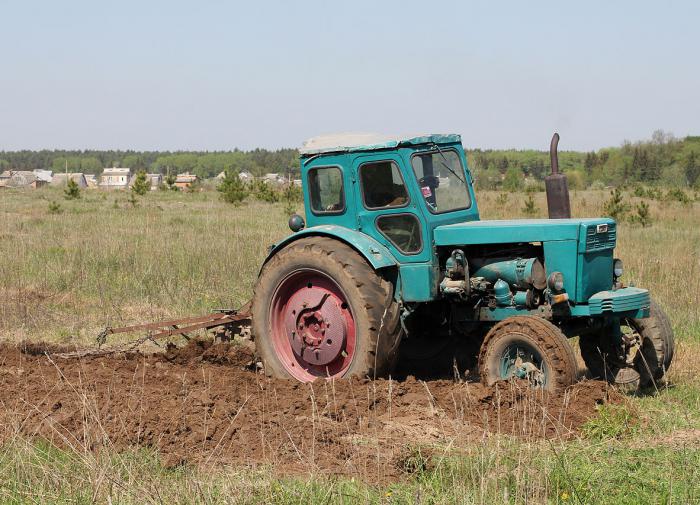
column 313, row 328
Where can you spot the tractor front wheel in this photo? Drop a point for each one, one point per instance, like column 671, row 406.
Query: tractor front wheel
column 640, row 358
column 528, row 347
column 321, row 311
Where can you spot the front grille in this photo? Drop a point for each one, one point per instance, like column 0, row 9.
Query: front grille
column 598, row 241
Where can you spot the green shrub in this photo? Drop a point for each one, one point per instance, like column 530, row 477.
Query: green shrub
column 639, row 191
column 72, row 191
column 141, row 185
column 170, row 182
column 530, row 208
column 55, row 207
column 642, row 215
column 616, row 207
column 677, row 195
column 265, row 192
column 513, row 181
column 232, row 189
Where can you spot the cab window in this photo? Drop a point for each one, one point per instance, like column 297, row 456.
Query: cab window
column 442, row 182
column 382, row 185
column 403, row 230
column 326, row 190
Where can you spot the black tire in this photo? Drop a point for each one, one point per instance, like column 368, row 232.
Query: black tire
column 370, row 298
column 535, row 332
column 657, row 348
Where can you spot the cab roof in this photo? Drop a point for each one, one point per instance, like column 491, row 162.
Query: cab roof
column 351, row 142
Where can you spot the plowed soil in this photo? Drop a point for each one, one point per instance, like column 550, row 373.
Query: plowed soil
column 206, row 404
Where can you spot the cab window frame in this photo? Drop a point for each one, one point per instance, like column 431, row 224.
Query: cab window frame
column 463, row 173
column 397, row 214
column 343, row 194
column 362, row 186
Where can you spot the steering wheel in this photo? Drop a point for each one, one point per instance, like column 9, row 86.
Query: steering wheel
column 406, row 239
column 431, row 181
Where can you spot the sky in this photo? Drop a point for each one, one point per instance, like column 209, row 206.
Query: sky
column 219, row 75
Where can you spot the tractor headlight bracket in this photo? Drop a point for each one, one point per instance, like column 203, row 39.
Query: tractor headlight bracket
column 555, row 282
column 618, row 269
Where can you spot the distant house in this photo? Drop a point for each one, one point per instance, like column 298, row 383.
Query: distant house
column 185, row 180
column 273, row 178
column 244, row 176
column 155, row 180
column 62, row 180
column 44, row 175
column 115, row 178
column 5, row 175
column 22, row 179
column 91, row 180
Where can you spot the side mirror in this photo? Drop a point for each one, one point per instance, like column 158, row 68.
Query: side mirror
column 296, row 223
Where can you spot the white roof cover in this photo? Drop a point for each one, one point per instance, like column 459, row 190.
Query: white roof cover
column 343, row 142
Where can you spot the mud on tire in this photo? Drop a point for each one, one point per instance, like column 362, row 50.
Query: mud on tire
column 534, row 332
column 369, row 296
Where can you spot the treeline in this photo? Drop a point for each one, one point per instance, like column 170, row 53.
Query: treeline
column 663, row 160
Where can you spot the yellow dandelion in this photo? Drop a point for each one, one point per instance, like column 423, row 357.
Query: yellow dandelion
column 565, row 496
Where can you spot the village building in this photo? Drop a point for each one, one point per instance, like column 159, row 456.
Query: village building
column 154, row 181
column 244, row 176
column 22, row 179
column 115, row 178
column 44, row 175
column 91, row 180
column 185, row 180
column 274, row 178
column 62, row 180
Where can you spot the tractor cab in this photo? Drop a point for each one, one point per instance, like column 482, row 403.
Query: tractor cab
column 396, row 190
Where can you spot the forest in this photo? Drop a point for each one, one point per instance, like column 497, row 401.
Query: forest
column 663, row 160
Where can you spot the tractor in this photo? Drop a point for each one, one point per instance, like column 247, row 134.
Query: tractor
column 394, row 260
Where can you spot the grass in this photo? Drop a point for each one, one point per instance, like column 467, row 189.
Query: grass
column 102, row 261
column 498, row 471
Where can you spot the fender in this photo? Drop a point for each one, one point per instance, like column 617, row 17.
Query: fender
column 375, row 253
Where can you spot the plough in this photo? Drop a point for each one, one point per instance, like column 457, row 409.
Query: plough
column 220, row 317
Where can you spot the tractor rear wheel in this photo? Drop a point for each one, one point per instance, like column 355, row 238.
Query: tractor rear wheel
column 528, row 347
column 641, row 359
column 320, row 310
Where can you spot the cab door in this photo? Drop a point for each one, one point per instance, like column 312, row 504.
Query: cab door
column 387, row 210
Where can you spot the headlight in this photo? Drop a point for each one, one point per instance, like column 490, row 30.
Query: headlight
column 617, row 268
column 555, row 282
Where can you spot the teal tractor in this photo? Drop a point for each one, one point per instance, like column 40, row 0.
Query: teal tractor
column 394, row 266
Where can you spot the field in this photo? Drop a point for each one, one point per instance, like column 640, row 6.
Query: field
column 92, row 430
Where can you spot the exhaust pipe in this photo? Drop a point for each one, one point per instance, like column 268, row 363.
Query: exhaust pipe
column 558, row 204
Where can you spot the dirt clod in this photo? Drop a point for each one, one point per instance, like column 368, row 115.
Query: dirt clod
column 204, row 403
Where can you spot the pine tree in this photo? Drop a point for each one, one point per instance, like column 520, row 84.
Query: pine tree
column 141, row 185
column 642, row 216
column 530, row 208
column 170, row 181
column 616, row 207
column 232, row 189
column 72, row 191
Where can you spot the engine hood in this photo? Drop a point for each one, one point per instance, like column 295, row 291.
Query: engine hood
column 517, row 230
